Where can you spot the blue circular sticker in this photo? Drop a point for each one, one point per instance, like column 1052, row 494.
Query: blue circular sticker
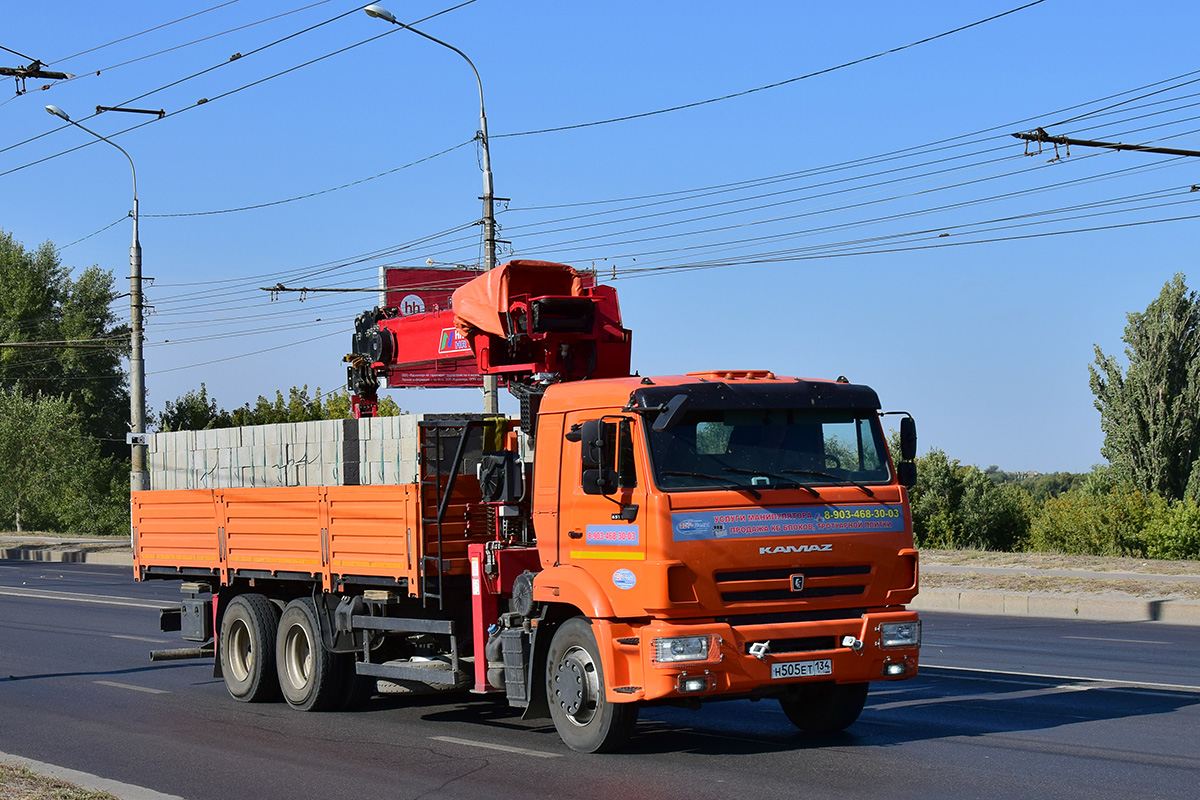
column 624, row 579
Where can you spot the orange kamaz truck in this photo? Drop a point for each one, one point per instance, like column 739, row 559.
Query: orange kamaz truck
column 627, row 541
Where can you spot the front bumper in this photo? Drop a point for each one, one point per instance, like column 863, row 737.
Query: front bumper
column 741, row 659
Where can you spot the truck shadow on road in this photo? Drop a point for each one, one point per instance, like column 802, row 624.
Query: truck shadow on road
column 930, row 707
column 94, row 673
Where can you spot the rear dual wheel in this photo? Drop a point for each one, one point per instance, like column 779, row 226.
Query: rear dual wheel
column 248, row 648
column 310, row 676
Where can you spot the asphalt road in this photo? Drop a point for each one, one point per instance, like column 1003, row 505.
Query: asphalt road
column 1003, row 708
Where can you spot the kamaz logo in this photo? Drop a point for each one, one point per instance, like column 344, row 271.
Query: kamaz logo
column 795, row 548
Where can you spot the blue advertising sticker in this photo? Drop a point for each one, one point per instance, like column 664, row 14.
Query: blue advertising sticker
column 624, row 579
column 620, row 535
column 692, row 526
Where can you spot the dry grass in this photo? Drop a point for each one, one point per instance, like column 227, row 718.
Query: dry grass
column 1031, row 577
column 18, row 783
column 984, row 558
column 1049, row 584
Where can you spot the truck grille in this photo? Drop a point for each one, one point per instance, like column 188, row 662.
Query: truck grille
column 766, row 585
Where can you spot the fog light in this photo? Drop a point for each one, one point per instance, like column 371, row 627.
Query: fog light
column 895, row 668
column 900, row 634
column 690, row 684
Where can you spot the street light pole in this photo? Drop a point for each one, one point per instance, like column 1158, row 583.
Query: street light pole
column 138, row 476
column 491, row 398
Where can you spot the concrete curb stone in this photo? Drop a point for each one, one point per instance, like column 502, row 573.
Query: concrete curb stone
column 1097, row 607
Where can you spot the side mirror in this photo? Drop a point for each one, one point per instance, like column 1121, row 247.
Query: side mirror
column 599, row 481
column 906, row 473
column 672, row 412
column 593, row 436
column 595, row 444
column 908, row 439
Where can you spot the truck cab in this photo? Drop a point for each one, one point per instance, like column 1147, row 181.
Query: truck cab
column 722, row 534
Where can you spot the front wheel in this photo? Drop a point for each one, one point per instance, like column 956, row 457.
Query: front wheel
column 308, row 673
column 825, row 707
column 586, row 721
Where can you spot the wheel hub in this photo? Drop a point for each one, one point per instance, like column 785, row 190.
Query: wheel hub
column 569, row 686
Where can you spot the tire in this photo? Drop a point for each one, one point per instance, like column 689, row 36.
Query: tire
column 353, row 690
column 462, row 679
column 825, row 707
column 248, row 649
column 309, row 675
column 586, row 721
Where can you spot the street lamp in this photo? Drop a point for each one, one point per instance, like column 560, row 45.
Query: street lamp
column 138, row 477
column 491, row 401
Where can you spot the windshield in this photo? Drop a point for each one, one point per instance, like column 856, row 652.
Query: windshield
column 769, row 448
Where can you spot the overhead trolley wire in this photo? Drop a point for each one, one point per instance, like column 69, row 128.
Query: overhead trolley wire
column 224, row 94
column 1006, row 146
column 850, row 189
column 148, row 30
column 775, row 85
column 202, row 39
column 383, row 174
column 245, row 355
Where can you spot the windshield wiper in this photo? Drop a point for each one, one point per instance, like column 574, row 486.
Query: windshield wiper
column 841, row 480
column 782, row 478
column 720, row 479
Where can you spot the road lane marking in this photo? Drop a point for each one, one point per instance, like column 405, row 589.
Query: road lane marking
column 95, row 599
column 1122, row 641
column 132, row 687
column 1111, row 682
column 501, row 747
column 86, row 780
column 150, row 639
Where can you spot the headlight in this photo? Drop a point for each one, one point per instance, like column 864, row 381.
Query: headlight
column 900, row 634
column 679, row 649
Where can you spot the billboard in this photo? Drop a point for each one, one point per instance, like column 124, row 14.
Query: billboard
column 419, row 290
column 432, row 353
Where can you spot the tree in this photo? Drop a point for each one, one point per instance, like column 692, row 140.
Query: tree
column 1150, row 413
column 53, row 477
column 193, row 411
column 41, row 303
column 197, row 410
column 336, row 405
column 956, row 506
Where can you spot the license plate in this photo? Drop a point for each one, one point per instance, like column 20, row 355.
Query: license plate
column 801, row 669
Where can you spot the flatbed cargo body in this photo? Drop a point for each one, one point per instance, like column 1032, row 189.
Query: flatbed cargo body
column 337, row 534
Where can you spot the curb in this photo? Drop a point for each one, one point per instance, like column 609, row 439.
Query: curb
column 86, row 780
column 1096, row 607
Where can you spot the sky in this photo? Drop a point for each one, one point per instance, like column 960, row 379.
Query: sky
column 864, row 212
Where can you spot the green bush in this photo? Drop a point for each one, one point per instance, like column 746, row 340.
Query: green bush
column 1111, row 524
column 1174, row 531
column 957, row 506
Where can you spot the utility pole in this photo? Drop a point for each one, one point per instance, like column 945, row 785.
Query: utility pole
column 139, row 476
column 1039, row 135
column 491, row 394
